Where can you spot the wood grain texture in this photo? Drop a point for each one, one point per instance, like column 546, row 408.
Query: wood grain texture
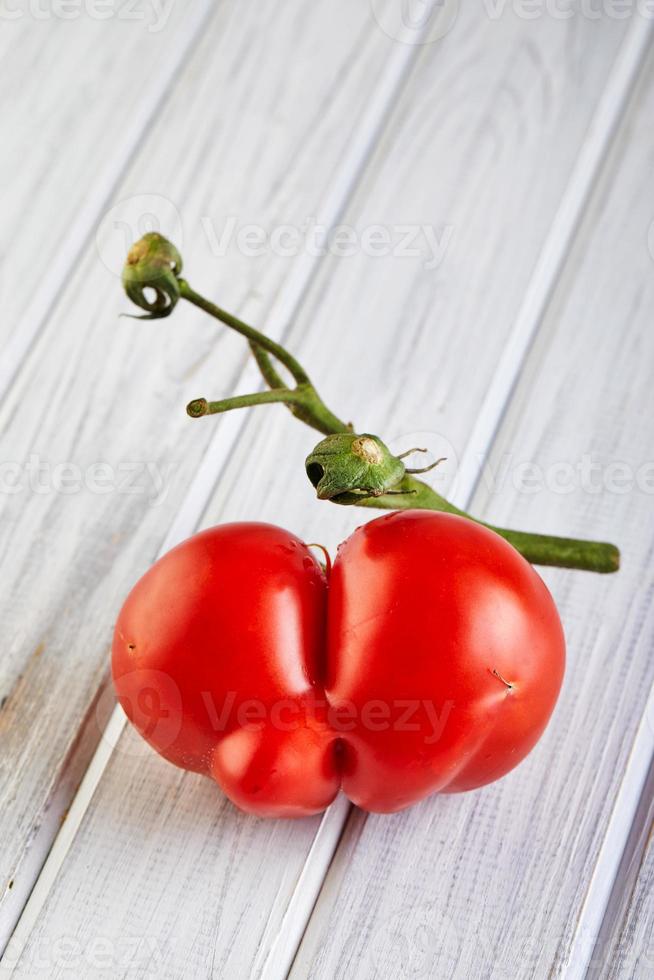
column 77, row 93
column 493, row 883
column 255, row 128
column 625, row 945
column 631, row 955
column 517, row 109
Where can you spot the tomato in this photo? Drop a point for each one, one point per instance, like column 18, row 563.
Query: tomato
column 217, row 657
column 447, row 626
column 429, row 662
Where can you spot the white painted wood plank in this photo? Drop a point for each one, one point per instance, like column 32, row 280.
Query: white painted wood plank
column 625, row 945
column 77, row 96
column 633, row 955
column 608, row 884
column 298, row 84
column 509, row 881
column 353, row 298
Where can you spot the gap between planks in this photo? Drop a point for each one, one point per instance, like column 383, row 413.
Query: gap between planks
column 336, row 199
column 544, row 279
column 58, row 274
column 597, row 904
column 614, row 939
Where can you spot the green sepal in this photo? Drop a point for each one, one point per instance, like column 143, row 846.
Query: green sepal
column 153, row 263
column 346, row 468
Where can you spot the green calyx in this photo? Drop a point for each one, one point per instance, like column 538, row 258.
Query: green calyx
column 153, row 263
column 346, row 468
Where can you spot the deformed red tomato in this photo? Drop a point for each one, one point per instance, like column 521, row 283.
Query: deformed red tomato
column 431, row 661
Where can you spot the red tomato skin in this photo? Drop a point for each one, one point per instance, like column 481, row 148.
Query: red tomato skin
column 215, row 660
column 431, row 664
column 433, row 611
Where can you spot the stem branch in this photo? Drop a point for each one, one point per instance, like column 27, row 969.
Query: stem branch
column 299, row 374
column 200, row 406
column 265, row 365
column 303, row 400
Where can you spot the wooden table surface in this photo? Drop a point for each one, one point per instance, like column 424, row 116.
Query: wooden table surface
column 454, row 230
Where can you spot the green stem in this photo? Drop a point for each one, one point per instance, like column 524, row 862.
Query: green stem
column 303, row 400
column 265, row 365
column 299, row 374
column 539, row 549
column 200, row 406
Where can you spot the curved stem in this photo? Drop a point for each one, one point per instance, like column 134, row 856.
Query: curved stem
column 311, row 410
column 265, row 365
column 304, row 401
column 299, row 374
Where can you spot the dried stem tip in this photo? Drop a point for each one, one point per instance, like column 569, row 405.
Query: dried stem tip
column 197, row 408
